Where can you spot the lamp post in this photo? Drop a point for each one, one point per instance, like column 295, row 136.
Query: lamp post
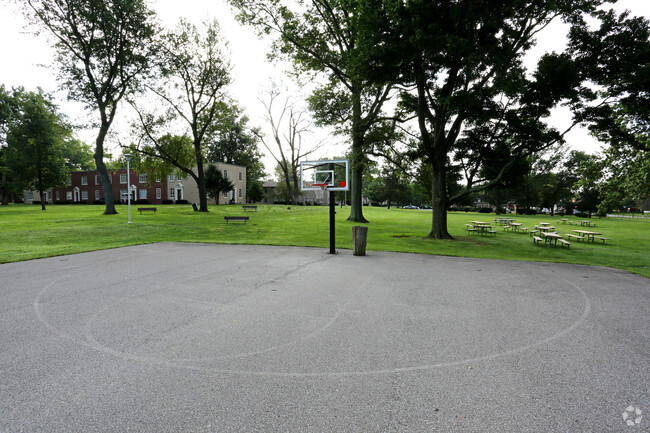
column 128, row 181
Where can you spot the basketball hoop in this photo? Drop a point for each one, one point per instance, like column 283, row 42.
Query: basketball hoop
column 322, row 186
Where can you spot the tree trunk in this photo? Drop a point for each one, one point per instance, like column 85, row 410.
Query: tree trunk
column 104, row 178
column 356, row 169
column 439, row 200
column 203, row 194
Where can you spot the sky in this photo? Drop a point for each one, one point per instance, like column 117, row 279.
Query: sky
column 27, row 60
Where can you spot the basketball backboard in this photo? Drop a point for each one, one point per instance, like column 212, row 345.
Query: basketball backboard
column 332, row 175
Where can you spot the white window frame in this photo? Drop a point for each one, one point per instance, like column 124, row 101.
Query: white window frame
column 142, row 178
column 240, row 177
column 84, row 180
column 240, row 193
column 158, row 193
column 96, row 194
column 84, row 194
column 123, row 178
column 96, row 179
column 172, row 193
column 68, row 195
column 143, row 193
column 172, row 177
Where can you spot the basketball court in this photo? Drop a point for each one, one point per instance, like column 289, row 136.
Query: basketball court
column 222, row 338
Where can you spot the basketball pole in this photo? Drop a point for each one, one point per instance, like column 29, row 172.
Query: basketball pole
column 332, row 220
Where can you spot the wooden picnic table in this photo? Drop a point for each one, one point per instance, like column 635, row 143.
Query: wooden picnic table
column 545, row 224
column 503, row 221
column 516, row 226
column 545, row 228
column 483, row 228
column 564, row 220
column 478, row 223
column 551, row 237
column 586, row 223
column 588, row 234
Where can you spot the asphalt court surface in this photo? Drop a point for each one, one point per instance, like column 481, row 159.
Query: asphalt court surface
column 220, row 338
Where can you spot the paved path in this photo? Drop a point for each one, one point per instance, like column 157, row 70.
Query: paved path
column 217, row 338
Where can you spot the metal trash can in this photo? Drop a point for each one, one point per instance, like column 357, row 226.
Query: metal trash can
column 359, row 238
column 194, row 207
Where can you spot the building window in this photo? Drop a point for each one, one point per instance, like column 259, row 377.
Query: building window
column 240, row 176
column 143, row 194
column 172, row 177
column 171, row 193
column 96, row 179
column 225, row 173
column 124, row 195
column 30, row 195
column 96, row 194
column 143, row 178
column 84, row 180
column 68, row 195
column 123, row 178
column 158, row 180
column 84, row 195
column 58, row 195
column 240, row 193
column 225, row 195
column 179, row 178
column 158, row 193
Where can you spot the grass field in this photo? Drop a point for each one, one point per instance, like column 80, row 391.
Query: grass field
column 28, row 233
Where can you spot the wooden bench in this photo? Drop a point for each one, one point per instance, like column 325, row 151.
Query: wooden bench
column 147, row 209
column 247, row 208
column 523, row 229
column 564, row 242
column 603, row 239
column 537, row 240
column 507, row 227
column 235, row 218
column 532, row 232
column 578, row 238
column 492, row 232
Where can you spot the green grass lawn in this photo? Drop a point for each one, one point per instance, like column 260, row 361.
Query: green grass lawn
column 28, row 233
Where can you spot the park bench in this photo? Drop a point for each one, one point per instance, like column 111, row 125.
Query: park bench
column 247, row 208
column 492, row 232
column 470, row 229
column 578, row 238
column 537, row 240
column 147, row 209
column 235, row 218
column 603, row 239
column 532, row 232
column 564, row 242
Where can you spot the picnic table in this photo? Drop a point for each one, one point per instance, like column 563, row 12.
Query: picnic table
column 545, row 224
column 516, row 226
column 503, row 221
column 545, row 228
column 554, row 237
column 564, row 220
column 587, row 223
column 589, row 235
column 484, row 229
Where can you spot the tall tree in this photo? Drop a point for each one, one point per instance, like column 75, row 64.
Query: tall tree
column 324, row 36
column 464, row 61
column 232, row 141
column 216, row 182
column 289, row 128
column 35, row 143
column 194, row 73
column 103, row 48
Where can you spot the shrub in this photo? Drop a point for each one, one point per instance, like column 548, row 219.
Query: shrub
column 181, row 202
column 168, row 201
column 484, row 210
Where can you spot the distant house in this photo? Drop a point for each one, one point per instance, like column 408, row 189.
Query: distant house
column 85, row 187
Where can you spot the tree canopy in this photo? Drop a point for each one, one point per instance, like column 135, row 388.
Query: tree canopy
column 103, row 49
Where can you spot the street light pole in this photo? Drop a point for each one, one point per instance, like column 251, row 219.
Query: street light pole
column 128, row 182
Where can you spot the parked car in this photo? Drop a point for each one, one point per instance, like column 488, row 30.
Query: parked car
column 410, row 206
